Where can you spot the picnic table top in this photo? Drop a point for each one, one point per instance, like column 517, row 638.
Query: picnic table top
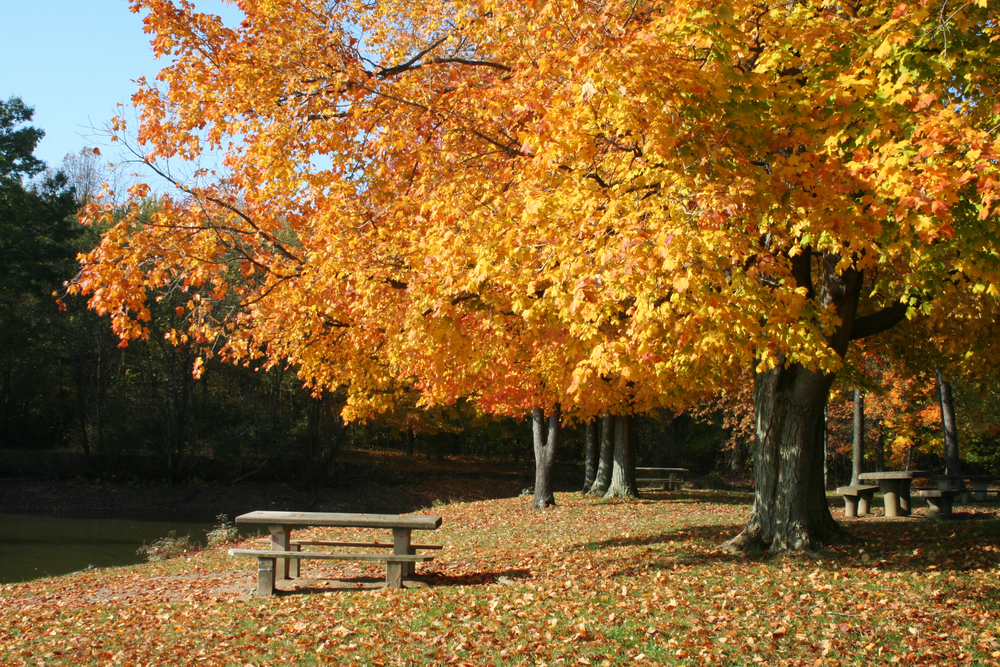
column 896, row 474
column 340, row 519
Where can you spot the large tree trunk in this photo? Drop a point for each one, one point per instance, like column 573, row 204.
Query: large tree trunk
column 790, row 510
column 952, row 461
column 603, row 478
column 545, row 445
column 858, row 448
column 590, row 456
column 623, row 471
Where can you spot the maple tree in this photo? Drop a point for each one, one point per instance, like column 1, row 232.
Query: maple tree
column 605, row 205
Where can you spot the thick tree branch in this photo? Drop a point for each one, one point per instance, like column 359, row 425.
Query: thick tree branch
column 883, row 320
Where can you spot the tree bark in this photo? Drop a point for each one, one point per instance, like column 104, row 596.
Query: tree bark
column 603, row 478
column 590, row 456
column 545, row 445
column 858, row 448
column 790, row 510
column 623, row 471
column 952, row 461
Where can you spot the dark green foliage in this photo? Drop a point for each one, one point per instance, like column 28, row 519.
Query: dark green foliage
column 37, row 249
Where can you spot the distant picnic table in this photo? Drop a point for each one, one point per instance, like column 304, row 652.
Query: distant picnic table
column 896, row 489
column 281, row 560
column 665, row 478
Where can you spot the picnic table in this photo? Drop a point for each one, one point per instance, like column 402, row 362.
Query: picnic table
column 668, row 478
column 276, row 563
column 895, row 487
column 980, row 485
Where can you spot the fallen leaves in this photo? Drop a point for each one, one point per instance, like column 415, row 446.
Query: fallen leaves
column 566, row 588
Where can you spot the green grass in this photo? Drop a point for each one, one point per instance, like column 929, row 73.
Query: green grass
column 586, row 582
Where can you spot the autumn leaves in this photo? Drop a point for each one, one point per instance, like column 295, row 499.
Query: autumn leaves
column 597, row 205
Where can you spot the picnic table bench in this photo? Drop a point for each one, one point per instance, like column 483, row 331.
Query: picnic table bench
column 667, row 478
column 857, row 498
column 277, row 562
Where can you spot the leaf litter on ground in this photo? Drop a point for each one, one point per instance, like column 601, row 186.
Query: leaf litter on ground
column 586, row 582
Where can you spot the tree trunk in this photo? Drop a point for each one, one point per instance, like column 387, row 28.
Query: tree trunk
column 545, row 445
column 879, row 452
column 590, row 456
column 858, row 449
column 952, row 462
column 790, row 510
column 411, row 441
column 602, row 479
column 623, row 472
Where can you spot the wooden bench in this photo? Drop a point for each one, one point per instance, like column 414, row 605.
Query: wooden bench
column 664, row 478
column 281, row 561
column 939, row 500
column 857, row 499
column 267, row 560
column 296, row 545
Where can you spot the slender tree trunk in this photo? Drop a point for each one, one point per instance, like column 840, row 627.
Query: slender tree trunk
column 858, row 449
column 602, row 480
column 314, row 416
column 591, row 456
column 879, row 453
column 623, row 472
column 411, row 441
column 952, row 461
column 545, row 445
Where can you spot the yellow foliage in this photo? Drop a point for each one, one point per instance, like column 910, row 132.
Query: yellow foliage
column 586, row 203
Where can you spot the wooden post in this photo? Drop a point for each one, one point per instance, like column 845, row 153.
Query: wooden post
column 265, row 577
column 400, row 545
column 280, row 542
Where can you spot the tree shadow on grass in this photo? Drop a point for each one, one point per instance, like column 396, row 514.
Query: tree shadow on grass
column 315, row 586
column 707, row 534
column 907, row 545
column 698, row 496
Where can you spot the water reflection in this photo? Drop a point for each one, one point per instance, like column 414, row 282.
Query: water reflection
column 41, row 546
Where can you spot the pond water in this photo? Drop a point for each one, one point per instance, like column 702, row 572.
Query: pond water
column 40, row 546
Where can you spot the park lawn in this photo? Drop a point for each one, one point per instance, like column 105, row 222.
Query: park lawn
column 587, row 582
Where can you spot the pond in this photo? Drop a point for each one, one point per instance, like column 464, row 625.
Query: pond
column 40, row 546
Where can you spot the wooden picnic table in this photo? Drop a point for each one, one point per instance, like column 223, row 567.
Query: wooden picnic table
column 895, row 487
column 670, row 478
column 284, row 551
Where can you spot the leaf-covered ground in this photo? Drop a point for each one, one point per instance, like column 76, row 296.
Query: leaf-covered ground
column 587, row 582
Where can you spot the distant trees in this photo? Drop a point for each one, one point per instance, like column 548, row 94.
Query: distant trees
column 37, row 251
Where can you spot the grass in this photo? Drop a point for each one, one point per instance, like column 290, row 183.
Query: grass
column 585, row 582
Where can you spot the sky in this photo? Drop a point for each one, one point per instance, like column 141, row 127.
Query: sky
column 74, row 61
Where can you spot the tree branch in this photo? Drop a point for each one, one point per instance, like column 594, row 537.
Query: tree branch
column 876, row 323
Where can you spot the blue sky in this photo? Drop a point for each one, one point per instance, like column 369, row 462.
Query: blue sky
column 74, row 61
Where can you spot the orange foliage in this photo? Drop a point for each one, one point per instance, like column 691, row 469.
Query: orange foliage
column 591, row 203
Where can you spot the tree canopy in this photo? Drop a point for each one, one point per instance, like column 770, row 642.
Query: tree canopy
column 624, row 204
